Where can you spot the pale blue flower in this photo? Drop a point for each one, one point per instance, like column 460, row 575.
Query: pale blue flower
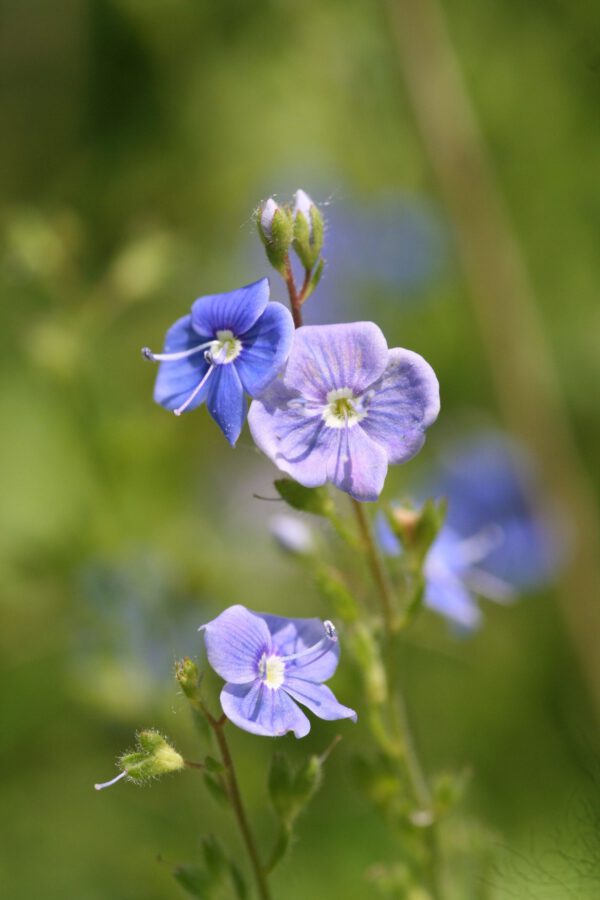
column 345, row 408
column 271, row 664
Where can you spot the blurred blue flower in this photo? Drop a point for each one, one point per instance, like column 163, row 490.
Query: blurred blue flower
column 495, row 542
column 230, row 344
column 270, row 665
column 345, row 408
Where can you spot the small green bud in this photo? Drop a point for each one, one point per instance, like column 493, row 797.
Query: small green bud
column 290, row 790
column 308, row 229
column 152, row 757
column 276, row 232
column 417, row 529
column 188, row 676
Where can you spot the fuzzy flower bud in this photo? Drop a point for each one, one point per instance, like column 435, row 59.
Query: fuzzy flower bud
column 308, row 229
column 276, row 232
column 188, row 676
column 152, row 758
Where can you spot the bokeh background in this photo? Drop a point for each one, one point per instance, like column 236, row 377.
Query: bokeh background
column 138, row 138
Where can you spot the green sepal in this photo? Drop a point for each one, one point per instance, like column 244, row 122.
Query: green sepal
column 311, row 500
column 152, row 757
column 189, row 678
column 316, row 238
column 315, row 279
column 417, row 529
column 302, row 243
column 277, row 245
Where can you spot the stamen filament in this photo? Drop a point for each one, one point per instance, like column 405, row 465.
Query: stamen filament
column 105, row 784
column 194, row 393
column 330, row 635
column 173, row 357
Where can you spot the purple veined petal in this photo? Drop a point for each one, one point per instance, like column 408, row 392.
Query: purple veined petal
column 176, row 380
column 235, row 642
column 294, row 438
column 318, row 698
column 359, row 465
column 236, row 311
column 265, row 348
column 226, row 401
column 290, row 636
column 447, row 595
column 261, row 710
column 328, row 357
column 405, row 401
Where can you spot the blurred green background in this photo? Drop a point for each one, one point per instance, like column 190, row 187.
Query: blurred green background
column 138, row 138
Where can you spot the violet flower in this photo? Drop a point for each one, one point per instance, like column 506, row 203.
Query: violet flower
column 344, row 408
column 271, row 664
column 230, row 344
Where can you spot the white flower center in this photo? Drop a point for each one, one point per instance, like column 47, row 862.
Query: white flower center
column 225, row 348
column 271, row 670
column 343, row 409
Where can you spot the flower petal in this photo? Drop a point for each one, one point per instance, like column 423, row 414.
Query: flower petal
column 235, row 642
column 291, row 636
column 358, row 465
column 327, row 357
column 447, row 595
column 405, row 401
column 318, row 698
column 236, row 311
column 176, row 380
column 265, row 348
column 262, row 710
column 294, row 438
column 226, row 401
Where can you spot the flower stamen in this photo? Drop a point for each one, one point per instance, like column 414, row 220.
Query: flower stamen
column 194, row 393
column 105, row 784
column 173, row 357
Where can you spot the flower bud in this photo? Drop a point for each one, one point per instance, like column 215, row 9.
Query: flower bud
column 292, row 535
column 188, row 676
column 152, row 758
column 308, row 229
column 276, row 232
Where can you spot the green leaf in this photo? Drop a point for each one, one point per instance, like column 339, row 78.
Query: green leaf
column 216, row 788
column 311, row 500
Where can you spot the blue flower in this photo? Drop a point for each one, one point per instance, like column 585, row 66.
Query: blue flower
column 270, row 665
column 230, row 344
column 345, row 408
column 494, row 542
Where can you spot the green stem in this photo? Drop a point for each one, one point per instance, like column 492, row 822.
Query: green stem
column 377, row 569
column 401, row 737
column 235, row 798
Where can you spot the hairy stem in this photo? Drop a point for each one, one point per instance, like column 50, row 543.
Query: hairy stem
column 399, row 725
column 235, row 798
column 376, row 566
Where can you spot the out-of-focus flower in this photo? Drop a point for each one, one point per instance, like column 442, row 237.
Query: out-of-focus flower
column 230, row 344
column 271, row 664
column 345, row 408
column 292, row 534
column 494, row 542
